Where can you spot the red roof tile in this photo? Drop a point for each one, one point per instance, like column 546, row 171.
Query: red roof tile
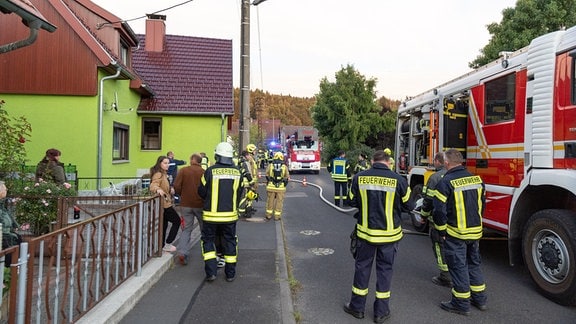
column 193, row 75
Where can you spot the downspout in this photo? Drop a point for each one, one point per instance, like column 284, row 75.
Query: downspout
column 222, row 139
column 34, row 26
column 100, row 115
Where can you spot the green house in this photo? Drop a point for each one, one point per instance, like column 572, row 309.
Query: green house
column 110, row 100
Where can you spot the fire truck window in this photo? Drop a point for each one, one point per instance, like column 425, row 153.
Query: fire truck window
column 499, row 104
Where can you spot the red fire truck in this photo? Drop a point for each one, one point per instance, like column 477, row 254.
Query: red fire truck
column 302, row 147
column 514, row 120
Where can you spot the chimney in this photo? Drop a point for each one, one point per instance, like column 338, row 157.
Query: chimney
column 155, row 32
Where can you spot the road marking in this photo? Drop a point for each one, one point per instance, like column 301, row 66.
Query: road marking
column 321, row 251
column 309, row 232
column 297, row 194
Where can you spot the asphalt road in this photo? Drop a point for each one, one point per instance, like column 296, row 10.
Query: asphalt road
column 317, row 241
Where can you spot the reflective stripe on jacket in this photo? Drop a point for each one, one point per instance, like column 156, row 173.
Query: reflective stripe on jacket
column 339, row 169
column 459, row 202
column 380, row 195
column 221, row 189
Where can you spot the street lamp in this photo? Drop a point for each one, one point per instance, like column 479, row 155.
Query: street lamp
column 244, row 136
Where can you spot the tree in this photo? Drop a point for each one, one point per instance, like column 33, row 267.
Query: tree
column 519, row 25
column 13, row 134
column 346, row 112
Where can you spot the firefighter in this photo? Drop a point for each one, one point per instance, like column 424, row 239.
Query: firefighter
column 251, row 148
column 277, row 177
column 378, row 230
column 428, row 192
column 205, row 161
column 220, row 187
column 362, row 163
column 458, row 206
column 339, row 169
column 392, row 163
column 245, row 208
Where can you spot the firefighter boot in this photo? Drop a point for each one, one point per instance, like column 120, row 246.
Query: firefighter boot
column 443, row 279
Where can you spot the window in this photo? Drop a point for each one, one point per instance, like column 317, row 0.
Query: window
column 124, row 54
column 120, row 145
column 151, row 134
column 500, row 95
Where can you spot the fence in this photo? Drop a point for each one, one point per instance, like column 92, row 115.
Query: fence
column 60, row 276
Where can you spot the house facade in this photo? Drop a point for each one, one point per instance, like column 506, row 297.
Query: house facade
column 95, row 91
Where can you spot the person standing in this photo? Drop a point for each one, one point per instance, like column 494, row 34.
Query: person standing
column 428, row 192
column 362, row 163
column 186, row 186
column 10, row 236
column 392, row 163
column 220, row 187
column 173, row 166
column 50, row 169
column 380, row 196
column 339, row 169
column 245, row 208
column 205, row 161
column 277, row 177
column 459, row 202
column 160, row 185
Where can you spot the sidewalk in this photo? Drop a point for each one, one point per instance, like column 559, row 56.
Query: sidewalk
column 169, row 292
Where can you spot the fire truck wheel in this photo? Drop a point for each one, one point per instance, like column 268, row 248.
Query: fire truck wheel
column 419, row 225
column 549, row 249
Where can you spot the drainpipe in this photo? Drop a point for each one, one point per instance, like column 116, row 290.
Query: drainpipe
column 34, row 26
column 222, row 139
column 100, row 113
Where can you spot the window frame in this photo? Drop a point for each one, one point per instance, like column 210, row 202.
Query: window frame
column 498, row 108
column 120, row 142
column 145, row 144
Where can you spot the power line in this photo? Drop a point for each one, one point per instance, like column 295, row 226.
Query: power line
column 141, row 17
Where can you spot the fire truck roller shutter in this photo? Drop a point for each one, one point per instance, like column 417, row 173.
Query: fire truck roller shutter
column 455, row 124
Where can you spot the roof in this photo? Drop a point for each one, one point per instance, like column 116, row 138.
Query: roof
column 193, row 75
column 27, row 11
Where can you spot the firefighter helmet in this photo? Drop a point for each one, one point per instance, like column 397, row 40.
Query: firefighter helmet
column 251, row 148
column 224, row 149
column 278, row 156
column 388, row 151
column 251, row 195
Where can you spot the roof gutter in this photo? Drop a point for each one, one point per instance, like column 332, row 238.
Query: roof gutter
column 33, row 26
column 100, row 122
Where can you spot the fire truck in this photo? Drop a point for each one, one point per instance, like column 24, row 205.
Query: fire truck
column 302, row 147
column 514, row 121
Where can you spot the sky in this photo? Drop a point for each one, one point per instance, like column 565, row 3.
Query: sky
column 408, row 46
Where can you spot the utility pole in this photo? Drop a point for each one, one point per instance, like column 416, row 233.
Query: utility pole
column 244, row 133
column 244, row 125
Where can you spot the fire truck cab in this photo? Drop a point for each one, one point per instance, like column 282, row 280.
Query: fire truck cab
column 514, row 120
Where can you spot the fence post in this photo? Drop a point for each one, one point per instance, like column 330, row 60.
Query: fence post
column 139, row 238
column 22, row 276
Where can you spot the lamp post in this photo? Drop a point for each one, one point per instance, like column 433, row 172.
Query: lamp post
column 244, row 127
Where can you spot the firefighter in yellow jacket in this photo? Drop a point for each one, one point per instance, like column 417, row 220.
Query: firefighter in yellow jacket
column 220, row 187
column 277, row 177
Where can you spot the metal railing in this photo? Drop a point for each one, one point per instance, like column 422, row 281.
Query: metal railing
column 60, row 276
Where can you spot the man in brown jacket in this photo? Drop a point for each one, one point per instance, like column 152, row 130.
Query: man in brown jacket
column 186, row 185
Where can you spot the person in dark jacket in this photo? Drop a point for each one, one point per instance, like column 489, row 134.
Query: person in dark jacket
column 459, row 202
column 380, row 196
column 50, row 169
column 339, row 169
column 220, row 187
column 186, row 186
column 428, row 193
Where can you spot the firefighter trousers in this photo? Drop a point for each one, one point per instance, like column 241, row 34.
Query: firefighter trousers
column 463, row 259
column 340, row 192
column 229, row 248
column 438, row 248
column 274, row 204
column 385, row 255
